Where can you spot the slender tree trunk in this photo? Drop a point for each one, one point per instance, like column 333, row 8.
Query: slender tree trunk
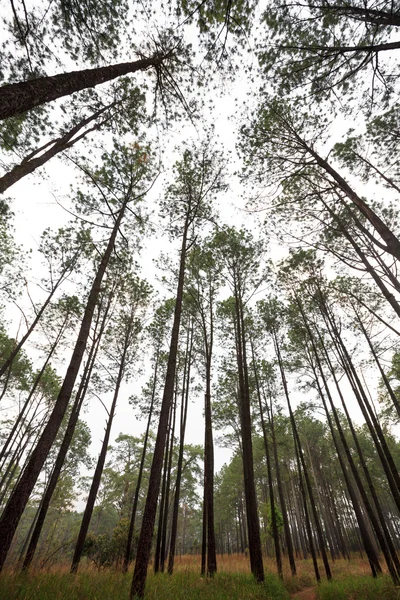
column 253, row 525
column 87, row 515
column 378, row 363
column 306, row 515
column 306, row 476
column 384, row 539
column 184, row 408
column 275, row 532
column 161, row 509
column 208, row 552
column 288, row 536
column 62, row 453
column 163, row 548
column 141, row 468
column 8, row 362
column 31, row 393
column 20, row 496
column 391, row 241
column 146, row 533
column 368, row 267
column 368, row 414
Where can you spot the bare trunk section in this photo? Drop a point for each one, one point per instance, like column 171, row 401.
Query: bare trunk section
column 146, row 533
column 275, row 532
column 16, row 98
column 140, row 475
column 253, row 525
column 183, row 418
column 62, row 453
column 303, row 464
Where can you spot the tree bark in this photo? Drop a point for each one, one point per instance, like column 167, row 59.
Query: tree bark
column 65, row 444
column 87, row 515
column 149, row 515
column 16, row 98
column 253, row 525
column 140, row 474
column 184, row 408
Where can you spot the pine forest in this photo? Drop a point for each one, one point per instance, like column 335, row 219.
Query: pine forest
column 200, row 300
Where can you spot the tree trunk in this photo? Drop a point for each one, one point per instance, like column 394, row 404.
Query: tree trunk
column 275, row 532
column 253, row 525
column 8, row 362
column 288, row 536
column 87, row 515
column 62, row 453
column 163, row 547
column 184, row 407
column 146, row 533
column 32, row 162
column 301, row 457
column 16, row 98
column 161, row 509
column 392, row 242
column 31, row 393
column 140, row 474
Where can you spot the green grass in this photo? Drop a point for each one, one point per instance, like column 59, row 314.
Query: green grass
column 359, row 587
column 108, row 585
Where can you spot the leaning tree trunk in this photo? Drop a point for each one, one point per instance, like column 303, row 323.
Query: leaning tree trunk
column 32, row 162
column 368, row 266
column 367, row 542
column 10, row 437
column 386, row 381
column 303, row 464
column 378, row 437
column 20, row 496
column 286, row 526
column 391, row 241
column 9, row 360
column 16, row 98
column 384, row 539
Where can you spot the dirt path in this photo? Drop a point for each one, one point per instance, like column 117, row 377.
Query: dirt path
column 307, row 594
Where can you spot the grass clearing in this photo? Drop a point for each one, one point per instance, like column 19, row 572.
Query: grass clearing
column 109, row 585
column 359, row 587
column 351, row 581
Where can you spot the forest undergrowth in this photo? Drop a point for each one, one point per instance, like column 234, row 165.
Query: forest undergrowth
column 351, row 581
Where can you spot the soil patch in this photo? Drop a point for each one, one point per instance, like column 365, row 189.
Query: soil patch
column 307, row 594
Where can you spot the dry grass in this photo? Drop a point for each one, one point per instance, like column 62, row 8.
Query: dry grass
column 351, row 580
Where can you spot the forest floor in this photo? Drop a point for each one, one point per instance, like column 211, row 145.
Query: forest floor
column 351, row 581
column 307, row 594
